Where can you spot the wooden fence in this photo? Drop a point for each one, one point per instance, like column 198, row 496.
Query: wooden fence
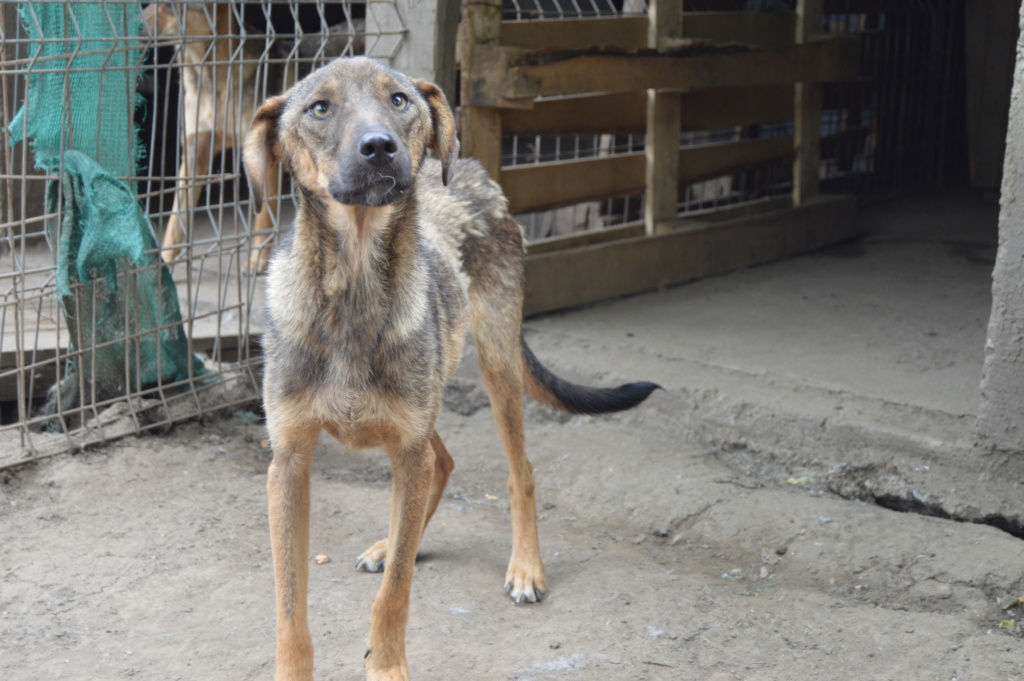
column 655, row 75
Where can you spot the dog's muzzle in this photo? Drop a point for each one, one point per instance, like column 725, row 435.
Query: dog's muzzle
column 378, row 173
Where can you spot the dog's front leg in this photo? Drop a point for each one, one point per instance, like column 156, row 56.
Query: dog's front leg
column 288, row 496
column 413, row 469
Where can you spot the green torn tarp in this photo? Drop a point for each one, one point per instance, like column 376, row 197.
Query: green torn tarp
column 111, row 284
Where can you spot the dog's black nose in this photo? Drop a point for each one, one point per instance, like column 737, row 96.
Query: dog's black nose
column 377, row 146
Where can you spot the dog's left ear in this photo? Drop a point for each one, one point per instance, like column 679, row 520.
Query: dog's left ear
column 444, row 142
column 261, row 151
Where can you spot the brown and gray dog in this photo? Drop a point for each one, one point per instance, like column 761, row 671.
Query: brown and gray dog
column 391, row 258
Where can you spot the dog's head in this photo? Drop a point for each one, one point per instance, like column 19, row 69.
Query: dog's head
column 353, row 131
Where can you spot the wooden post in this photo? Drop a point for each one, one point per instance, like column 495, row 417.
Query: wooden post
column 446, row 29
column 807, row 114
column 665, row 23
column 480, row 126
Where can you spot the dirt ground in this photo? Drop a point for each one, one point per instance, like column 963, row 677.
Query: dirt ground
column 748, row 522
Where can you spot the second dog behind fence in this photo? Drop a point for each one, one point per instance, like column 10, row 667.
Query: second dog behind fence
column 221, row 87
column 392, row 258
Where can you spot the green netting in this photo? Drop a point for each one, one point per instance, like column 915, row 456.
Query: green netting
column 105, row 244
column 118, row 299
column 81, row 82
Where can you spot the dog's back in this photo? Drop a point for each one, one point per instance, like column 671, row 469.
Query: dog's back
column 470, row 216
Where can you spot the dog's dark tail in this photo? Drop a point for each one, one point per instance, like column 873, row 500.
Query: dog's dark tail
column 545, row 387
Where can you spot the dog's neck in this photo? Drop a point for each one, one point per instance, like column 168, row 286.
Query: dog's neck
column 354, row 247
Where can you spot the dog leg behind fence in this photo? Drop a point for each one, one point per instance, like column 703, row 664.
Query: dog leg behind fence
column 196, row 152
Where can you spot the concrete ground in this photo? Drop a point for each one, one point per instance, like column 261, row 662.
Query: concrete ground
column 802, row 502
column 862, row 348
column 898, row 316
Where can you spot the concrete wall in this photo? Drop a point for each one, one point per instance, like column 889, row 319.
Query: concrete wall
column 1001, row 417
column 426, row 47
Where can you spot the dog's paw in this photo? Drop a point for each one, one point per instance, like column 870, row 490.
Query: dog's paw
column 373, row 558
column 525, row 586
column 523, row 595
column 392, row 674
column 257, row 263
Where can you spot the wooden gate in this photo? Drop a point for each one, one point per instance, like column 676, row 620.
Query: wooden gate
column 655, row 75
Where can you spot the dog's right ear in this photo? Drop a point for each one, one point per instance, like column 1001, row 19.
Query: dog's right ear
column 261, row 150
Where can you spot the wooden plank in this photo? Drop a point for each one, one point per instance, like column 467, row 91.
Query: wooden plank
column 593, row 236
column 446, row 35
column 576, row 34
column 481, row 137
column 481, row 21
column 623, row 113
column 664, row 110
column 833, row 59
column 807, row 111
column 480, row 129
column 761, row 29
column 715, row 160
column 661, row 152
column 551, row 185
column 588, row 274
column 806, row 141
column 727, row 107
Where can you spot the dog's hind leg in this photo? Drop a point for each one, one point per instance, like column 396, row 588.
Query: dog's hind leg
column 411, row 491
column 375, row 557
column 195, row 157
column 496, row 334
column 288, row 497
column 443, row 467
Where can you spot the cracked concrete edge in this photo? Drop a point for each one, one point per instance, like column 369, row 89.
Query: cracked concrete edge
column 913, row 458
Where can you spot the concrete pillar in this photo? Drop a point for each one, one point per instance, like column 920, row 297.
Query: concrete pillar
column 1001, row 416
column 416, row 37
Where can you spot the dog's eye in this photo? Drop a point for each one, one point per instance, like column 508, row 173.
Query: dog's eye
column 399, row 101
column 320, row 109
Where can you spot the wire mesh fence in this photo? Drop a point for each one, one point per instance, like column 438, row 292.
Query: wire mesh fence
column 122, row 121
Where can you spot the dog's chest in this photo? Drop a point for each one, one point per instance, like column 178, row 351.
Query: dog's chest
column 370, row 364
